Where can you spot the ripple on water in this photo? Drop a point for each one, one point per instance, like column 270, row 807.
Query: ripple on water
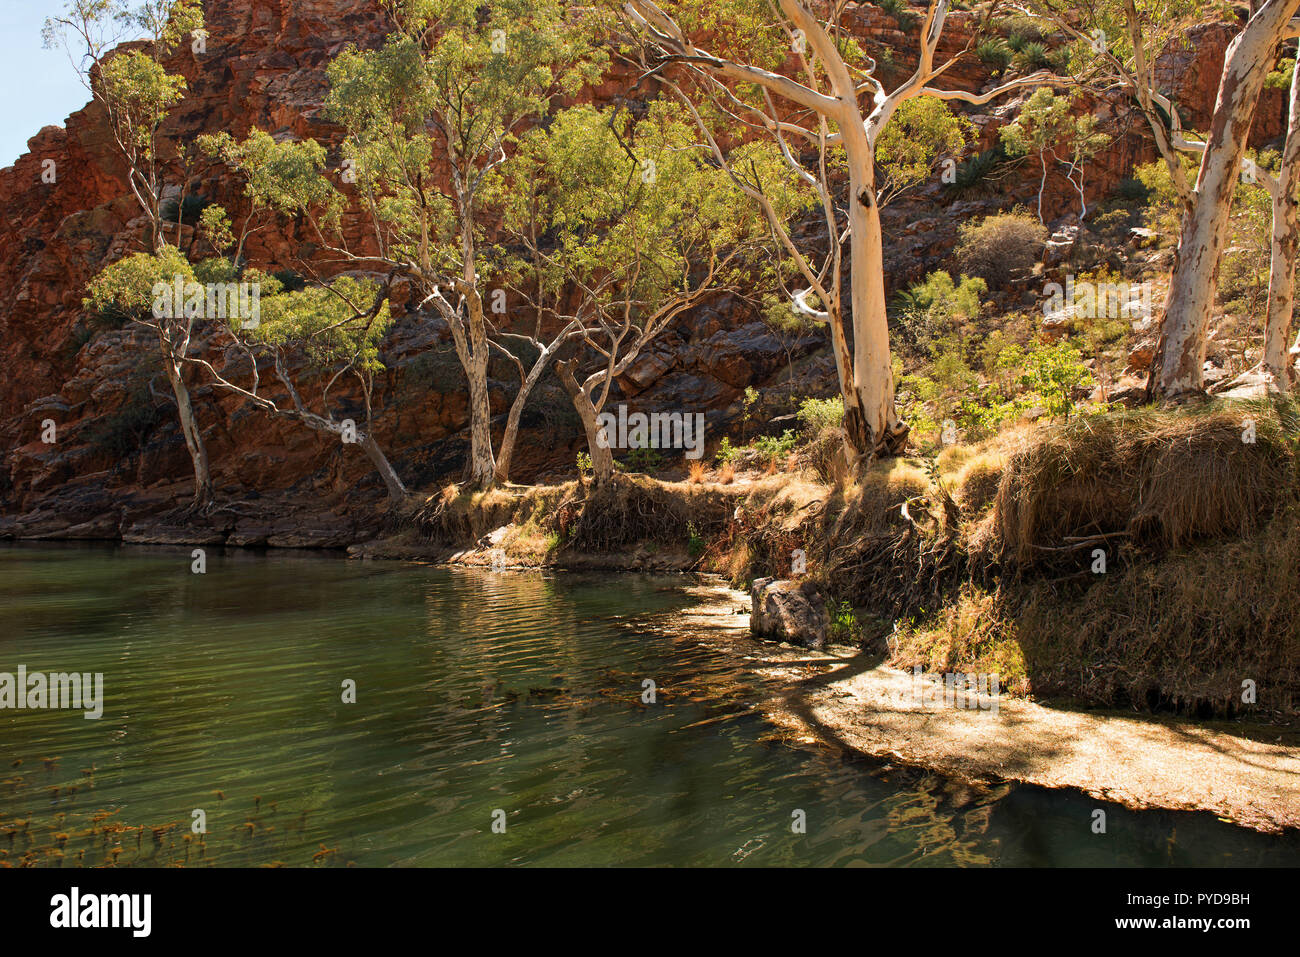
column 475, row 692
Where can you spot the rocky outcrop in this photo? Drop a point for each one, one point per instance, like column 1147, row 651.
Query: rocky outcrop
column 119, row 451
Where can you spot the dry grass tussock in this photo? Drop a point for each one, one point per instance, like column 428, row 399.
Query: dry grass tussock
column 1141, row 478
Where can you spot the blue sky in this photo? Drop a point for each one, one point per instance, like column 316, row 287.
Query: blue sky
column 40, row 86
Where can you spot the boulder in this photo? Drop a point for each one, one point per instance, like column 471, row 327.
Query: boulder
column 789, row 611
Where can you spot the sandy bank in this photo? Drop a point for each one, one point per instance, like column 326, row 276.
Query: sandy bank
column 1248, row 774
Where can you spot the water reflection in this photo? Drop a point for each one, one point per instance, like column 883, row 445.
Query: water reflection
column 475, row 692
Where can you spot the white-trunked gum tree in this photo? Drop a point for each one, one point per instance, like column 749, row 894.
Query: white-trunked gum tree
column 440, row 102
column 786, row 67
column 627, row 224
column 137, row 93
column 1118, row 44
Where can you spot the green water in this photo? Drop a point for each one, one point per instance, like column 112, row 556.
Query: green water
column 477, row 692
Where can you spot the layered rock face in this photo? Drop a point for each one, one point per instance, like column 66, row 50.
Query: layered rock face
column 118, row 457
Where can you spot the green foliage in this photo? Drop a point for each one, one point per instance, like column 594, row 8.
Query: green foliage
column 643, row 460
column 921, row 130
column 726, row 451
column 954, row 300
column 343, row 322
column 1052, row 373
column 1162, row 211
column 456, row 80
column 974, row 170
column 775, row 449
column 818, row 415
column 215, row 228
column 1031, row 55
column 125, row 288
column 137, row 415
column 1281, row 76
column 930, row 309
column 142, row 92
column 695, row 544
column 631, row 207
column 1047, row 128
column 585, row 466
column 844, row 628
column 1245, row 265
column 995, row 52
column 282, row 176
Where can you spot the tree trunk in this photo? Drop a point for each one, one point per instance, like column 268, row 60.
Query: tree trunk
column 392, row 481
column 506, row 453
column 870, row 421
column 189, row 429
column 602, row 456
column 482, row 464
column 1181, row 350
column 1278, row 361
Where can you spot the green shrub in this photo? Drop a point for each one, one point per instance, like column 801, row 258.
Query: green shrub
column 1032, row 55
column 695, row 544
column 726, row 451
column 819, row 414
column 125, row 430
column 644, row 460
column 994, row 52
column 773, row 448
column 844, row 625
column 974, row 170
column 1052, row 373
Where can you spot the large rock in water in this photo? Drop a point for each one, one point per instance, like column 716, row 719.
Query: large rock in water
column 788, row 611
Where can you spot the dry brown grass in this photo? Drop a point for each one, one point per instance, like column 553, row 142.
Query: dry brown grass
column 1181, row 633
column 454, row 517
column 630, row 510
column 1145, row 478
column 698, row 471
column 727, row 474
column 975, row 486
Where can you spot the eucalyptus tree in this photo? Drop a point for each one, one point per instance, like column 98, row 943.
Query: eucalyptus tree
column 1048, row 127
column 788, row 69
column 428, row 117
column 136, row 94
column 1120, row 41
column 628, row 224
column 313, row 340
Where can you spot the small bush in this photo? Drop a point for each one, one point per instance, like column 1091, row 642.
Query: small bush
column 643, row 460
column 1032, row 55
column 1001, row 245
column 973, row 171
column 773, row 449
column 994, row 52
column 819, row 414
column 844, row 625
